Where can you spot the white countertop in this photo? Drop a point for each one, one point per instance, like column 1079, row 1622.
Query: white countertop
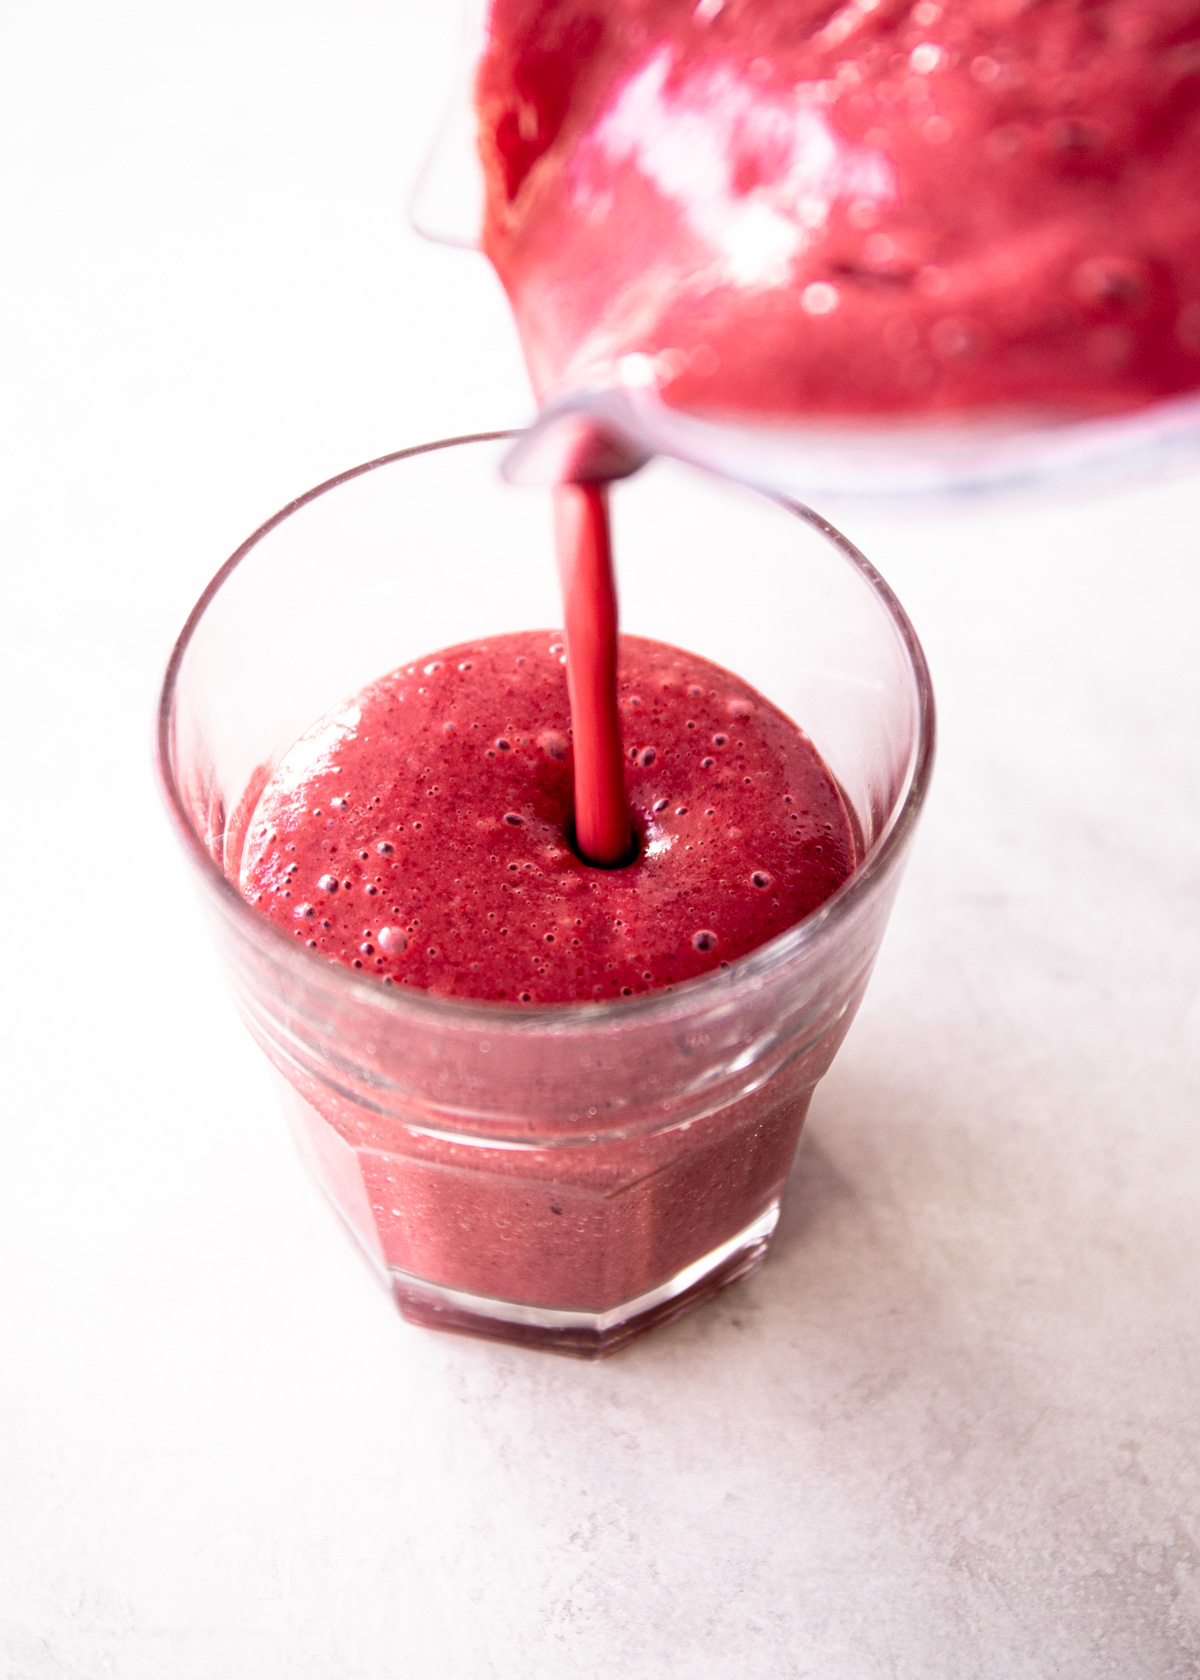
column 951, row 1430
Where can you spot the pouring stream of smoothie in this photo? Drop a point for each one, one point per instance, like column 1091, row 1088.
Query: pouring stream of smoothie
column 602, row 826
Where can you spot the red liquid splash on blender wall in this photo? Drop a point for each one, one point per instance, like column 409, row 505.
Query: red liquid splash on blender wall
column 864, row 209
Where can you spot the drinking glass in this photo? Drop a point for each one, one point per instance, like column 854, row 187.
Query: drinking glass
column 568, row 1176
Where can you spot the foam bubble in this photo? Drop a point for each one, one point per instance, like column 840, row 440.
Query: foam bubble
column 704, row 939
column 328, row 883
column 393, row 940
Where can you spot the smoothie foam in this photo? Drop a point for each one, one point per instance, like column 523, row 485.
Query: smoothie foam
column 423, row 832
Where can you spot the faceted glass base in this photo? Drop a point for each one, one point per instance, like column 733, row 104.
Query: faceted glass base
column 586, row 1335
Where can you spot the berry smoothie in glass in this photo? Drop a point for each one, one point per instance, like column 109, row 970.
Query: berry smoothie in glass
column 568, row 1131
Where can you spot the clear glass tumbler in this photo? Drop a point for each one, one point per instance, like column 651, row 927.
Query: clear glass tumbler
column 564, row 1177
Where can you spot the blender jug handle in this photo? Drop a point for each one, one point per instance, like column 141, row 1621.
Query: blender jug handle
column 446, row 204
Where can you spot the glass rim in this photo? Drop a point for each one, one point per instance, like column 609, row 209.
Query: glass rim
column 748, row 972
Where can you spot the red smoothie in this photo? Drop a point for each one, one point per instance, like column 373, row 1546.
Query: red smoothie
column 583, row 539
column 855, row 209
column 423, row 832
column 422, row 835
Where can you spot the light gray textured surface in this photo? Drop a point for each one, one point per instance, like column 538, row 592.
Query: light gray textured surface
column 950, row 1432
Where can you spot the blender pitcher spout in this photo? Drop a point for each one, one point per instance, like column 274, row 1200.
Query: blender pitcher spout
column 582, row 437
column 446, row 205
